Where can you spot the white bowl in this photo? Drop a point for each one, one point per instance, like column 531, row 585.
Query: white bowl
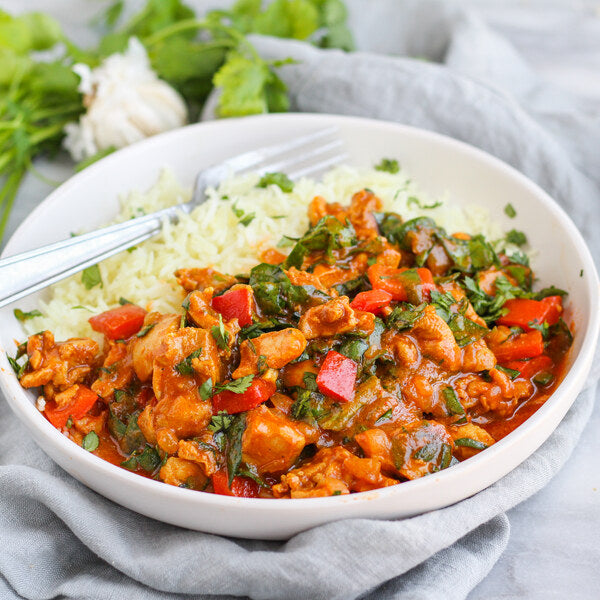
column 439, row 164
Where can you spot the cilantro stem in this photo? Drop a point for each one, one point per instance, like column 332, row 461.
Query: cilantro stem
column 179, row 27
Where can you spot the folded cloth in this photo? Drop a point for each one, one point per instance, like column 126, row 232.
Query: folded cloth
column 60, row 539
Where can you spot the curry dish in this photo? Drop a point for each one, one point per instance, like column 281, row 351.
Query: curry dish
column 377, row 351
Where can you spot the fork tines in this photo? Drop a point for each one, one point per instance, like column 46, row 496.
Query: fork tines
column 297, row 157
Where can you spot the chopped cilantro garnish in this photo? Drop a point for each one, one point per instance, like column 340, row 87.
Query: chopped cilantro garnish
column 237, row 386
column 185, row 366
column 220, row 335
column 388, row 165
column 279, row 179
column 510, row 211
column 91, row 277
column 90, row 441
column 516, row 237
column 25, row 316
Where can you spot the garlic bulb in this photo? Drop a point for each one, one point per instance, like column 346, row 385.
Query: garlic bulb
column 126, row 102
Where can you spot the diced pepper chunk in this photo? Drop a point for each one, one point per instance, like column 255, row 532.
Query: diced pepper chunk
column 119, row 323
column 235, row 304
column 243, row 487
column 372, row 301
column 259, row 391
column 82, row 402
column 405, row 285
column 529, row 368
column 524, row 345
column 555, row 309
column 337, row 377
column 524, row 313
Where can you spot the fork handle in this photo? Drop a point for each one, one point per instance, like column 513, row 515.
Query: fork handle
column 26, row 273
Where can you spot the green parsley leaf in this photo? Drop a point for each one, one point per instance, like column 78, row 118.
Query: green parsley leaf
column 509, row 211
column 123, row 301
column 516, row 237
column 206, row 390
column 220, row 335
column 388, row 165
column 91, row 277
column 24, row 316
column 413, row 200
column 220, row 422
column 244, row 218
column 237, row 386
column 279, row 179
column 90, row 441
column 185, row 366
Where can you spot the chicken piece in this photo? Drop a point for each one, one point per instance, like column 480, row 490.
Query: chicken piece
column 360, row 213
column 58, row 365
column 438, row 261
column 471, row 432
column 271, row 256
column 366, row 322
column 201, row 452
column 183, row 473
column 271, row 441
column 476, row 357
column 200, row 279
column 319, row 208
column 304, row 278
column 191, row 344
column 330, row 275
column 117, row 371
column 333, row 317
column 436, row 340
column 332, row 471
column 180, row 410
column 293, row 374
column 277, row 347
column 89, row 423
column 499, row 395
column 200, row 310
column 390, row 257
column 421, row 448
column 405, row 349
column 418, row 389
column 375, row 443
column 148, row 347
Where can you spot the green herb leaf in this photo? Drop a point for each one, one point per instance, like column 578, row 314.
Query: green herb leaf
column 512, row 373
column 185, row 366
column 206, row 390
column 90, row 441
column 385, row 416
column 388, row 165
column 220, row 335
column 470, row 443
column 220, row 422
column 237, row 386
column 81, row 165
column 452, row 402
column 543, row 378
column 233, row 450
column 509, row 211
column 91, row 277
column 145, row 330
column 516, row 237
column 123, row 301
column 244, row 218
column 279, row 179
column 24, row 316
column 413, row 200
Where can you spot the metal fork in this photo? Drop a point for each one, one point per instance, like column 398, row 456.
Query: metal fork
column 26, row 273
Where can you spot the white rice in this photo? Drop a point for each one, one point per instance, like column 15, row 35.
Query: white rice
column 213, row 237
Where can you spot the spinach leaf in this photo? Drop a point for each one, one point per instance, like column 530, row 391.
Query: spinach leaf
column 274, row 291
column 233, row 449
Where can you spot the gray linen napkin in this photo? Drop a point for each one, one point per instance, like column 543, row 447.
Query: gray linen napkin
column 60, row 539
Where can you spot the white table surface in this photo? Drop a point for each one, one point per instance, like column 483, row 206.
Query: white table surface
column 554, row 546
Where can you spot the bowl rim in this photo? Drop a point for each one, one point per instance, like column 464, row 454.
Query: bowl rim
column 32, row 418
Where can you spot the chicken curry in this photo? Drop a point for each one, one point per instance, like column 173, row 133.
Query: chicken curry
column 377, row 351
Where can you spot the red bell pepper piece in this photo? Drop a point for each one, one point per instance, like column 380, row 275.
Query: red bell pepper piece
column 258, row 392
column 372, row 301
column 530, row 368
column 243, row 487
column 413, row 285
column 555, row 309
column 337, row 376
column 235, row 304
column 119, row 323
column 522, row 312
column 524, row 345
column 81, row 403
